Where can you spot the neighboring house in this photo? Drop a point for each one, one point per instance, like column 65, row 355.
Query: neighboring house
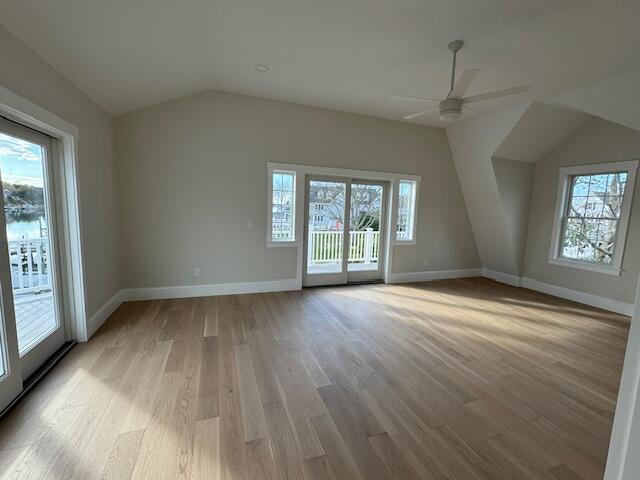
column 320, row 217
column 281, row 218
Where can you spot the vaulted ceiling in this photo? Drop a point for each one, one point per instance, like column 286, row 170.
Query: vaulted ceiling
column 538, row 131
column 346, row 55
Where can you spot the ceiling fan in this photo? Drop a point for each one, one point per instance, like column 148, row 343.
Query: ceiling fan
column 451, row 108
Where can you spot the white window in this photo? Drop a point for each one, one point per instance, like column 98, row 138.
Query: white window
column 592, row 216
column 405, row 230
column 286, row 190
column 283, row 196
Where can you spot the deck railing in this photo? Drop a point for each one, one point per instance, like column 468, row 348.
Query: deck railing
column 29, row 261
column 326, row 246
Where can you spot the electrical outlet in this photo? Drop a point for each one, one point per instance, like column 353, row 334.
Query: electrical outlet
column 426, row 262
column 250, row 224
column 196, row 272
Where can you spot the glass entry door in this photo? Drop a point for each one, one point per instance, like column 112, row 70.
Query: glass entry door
column 325, row 226
column 32, row 329
column 344, row 223
column 366, row 231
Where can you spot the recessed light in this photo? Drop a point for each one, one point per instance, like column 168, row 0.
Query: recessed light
column 261, row 68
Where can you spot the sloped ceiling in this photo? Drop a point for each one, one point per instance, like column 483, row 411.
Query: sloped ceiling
column 342, row 55
column 616, row 99
column 541, row 129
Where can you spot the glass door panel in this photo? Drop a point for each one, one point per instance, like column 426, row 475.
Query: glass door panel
column 30, row 301
column 325, row 232
column 344, row 231
column 22, row 167
column 364, row 228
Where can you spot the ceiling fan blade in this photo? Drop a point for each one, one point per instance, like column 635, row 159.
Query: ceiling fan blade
column 413, row 99
column 498, row 93
column 416, row 115
column 463, row 83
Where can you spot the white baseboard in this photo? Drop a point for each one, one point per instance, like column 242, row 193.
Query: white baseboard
column 98, row 318
column 509, row 279
column 580, row 297
column 562, row 292
column 434, row 275
column 185, row 291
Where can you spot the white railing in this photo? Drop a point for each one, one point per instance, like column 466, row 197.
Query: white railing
column 326, row 247
column 29, row 261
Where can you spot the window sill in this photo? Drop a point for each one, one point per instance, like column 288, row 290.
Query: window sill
column 288, row 243
column 609, row 270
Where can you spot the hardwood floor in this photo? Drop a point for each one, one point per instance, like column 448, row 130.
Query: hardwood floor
column 457, row 379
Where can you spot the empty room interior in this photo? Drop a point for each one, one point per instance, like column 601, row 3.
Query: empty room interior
column 291, row 239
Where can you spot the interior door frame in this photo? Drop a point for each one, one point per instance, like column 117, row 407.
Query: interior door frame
column 46, row 346
column 65, row 145
column 65, row 137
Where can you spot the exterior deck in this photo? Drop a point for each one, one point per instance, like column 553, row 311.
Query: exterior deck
column 324, row 252
column 32, row 290
column 35, row 316
column 336, row 267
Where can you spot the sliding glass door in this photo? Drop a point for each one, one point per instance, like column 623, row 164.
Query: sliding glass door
column 366, row 226
column 32, row 329
column 325, row 226
column 344, row 222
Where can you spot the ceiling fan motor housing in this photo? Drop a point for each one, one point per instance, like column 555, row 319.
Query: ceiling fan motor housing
column 450, row 109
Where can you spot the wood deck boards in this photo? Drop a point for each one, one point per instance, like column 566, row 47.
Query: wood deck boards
column 34, row 316
column 458, row 379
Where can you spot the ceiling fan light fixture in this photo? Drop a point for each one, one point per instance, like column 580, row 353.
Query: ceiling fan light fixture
column 450, row 116
column 450, row 109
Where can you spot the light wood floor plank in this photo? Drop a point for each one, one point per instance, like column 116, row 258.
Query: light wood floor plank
column 122, row 458
column 260, row 462
column 206, row 457
column 157, row 449
column 250, row 402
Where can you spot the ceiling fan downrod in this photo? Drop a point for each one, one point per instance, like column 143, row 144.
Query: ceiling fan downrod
column 454, row 46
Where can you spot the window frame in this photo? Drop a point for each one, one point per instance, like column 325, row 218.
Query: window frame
column 413, row 217
column 289, row 242
column 566, row 175
column 301, row 171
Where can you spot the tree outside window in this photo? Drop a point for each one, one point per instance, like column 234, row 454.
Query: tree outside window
column 592, row 217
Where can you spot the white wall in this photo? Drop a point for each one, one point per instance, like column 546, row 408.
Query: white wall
column 515, row 183
column 473, row 143
column 27, row 75
column 524, row 132
column 192, row 172
column 597, row 142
